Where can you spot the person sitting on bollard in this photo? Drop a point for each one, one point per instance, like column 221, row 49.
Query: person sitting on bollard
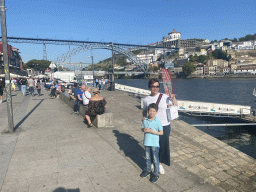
column 96, row 106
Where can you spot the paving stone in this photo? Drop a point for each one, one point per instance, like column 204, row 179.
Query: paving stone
column 231, row 163
column 213, row 180
column 205, row 173
column 232, row 172
column 248, row 173
column 216, row 169
column 225, row 166
column 232, row 182
column 243, row 178
column 202, row 167
column 226, row 186
column 222, row 176
column 193, row 169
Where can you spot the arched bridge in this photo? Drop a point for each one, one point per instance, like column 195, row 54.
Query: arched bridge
column 132, row 57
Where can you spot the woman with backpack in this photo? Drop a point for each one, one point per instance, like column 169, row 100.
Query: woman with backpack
column 96, row 106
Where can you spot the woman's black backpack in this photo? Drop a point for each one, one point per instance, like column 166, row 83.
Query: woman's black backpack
column 100, row 108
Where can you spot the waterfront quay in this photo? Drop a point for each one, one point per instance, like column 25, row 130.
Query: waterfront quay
column 54, row 150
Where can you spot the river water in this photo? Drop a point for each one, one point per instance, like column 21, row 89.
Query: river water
column 216, row 90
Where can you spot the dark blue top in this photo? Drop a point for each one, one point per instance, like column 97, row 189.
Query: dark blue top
column 74, row 91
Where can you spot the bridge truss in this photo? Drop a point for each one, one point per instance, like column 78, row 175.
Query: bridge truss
column 124, row 49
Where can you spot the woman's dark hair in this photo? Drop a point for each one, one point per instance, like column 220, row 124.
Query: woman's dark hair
column 152, row 81
column 153, row 105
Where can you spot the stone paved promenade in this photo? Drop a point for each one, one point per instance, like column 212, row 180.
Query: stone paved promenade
column 52, row 149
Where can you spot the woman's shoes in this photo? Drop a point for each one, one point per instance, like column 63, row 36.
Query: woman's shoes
column 90, row 125
column 161, row 169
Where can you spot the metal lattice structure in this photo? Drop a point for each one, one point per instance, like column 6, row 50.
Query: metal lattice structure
column 132, row 57
column 89, row 45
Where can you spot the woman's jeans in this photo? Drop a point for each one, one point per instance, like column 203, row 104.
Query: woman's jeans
column 152, row 152
column 39, row 91
column 23, row 89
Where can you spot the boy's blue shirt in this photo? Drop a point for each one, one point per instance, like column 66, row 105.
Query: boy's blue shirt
column 149, row 138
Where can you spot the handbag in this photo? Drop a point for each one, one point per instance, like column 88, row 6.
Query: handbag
column 172, row 112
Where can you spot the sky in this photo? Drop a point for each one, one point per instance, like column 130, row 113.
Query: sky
column 119, row 21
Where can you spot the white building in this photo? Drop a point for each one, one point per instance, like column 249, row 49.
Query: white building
column 147, row 58
column 245, row 45
column 251, row 70
column 174, row 35
column 206, row 41
column 226, row 70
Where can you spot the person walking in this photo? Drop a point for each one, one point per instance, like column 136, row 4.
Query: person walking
column 39, row 88
column 13, row 81
column 23, row 83
column 2, row 85
column 31, row 85
column 97, row 82
column 163, row 101
column 18, row 83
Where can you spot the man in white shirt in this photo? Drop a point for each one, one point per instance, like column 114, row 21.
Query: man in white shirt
column 86, row 95
column 31, row 85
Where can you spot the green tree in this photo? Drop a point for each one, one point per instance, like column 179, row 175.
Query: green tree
column 188, row 68
column 194, row 58
column 39, row 65
column 219, row 54
column 203, row 58
column 234, row 40
column 24, row 66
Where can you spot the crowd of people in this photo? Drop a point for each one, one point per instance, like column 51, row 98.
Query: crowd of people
column 102, row 83
column 24, row 85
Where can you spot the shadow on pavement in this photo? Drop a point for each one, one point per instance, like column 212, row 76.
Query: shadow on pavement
column 131, row 148
column 22, row 120
column 61, row 189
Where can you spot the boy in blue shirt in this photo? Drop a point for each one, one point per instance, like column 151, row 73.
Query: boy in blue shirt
column 153, row 128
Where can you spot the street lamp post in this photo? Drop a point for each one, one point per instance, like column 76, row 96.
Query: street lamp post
column 6, row 68
column 92, row 71
column 113, row 76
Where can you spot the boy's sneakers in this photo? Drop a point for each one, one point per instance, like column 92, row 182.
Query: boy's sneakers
column 145, row 173
column 161, row 169
column 154, row 178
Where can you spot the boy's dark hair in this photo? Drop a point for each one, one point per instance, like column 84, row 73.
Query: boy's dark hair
column 75, row 84
column 153, row 105
column 152, row 81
